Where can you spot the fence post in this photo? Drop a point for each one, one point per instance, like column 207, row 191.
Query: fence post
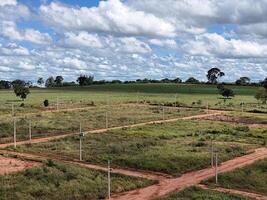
column 15, row 132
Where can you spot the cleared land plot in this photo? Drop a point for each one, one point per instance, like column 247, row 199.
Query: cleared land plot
column 196, row 193
column 252, row 178
column 53, row 181
column 48, row 124
column 11, row 165
column 186, row 95
column 243, row 118
column 173, row 148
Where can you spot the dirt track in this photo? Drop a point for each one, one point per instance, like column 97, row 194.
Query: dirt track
column 46, row 139
column 238, row 192
column 128, row 172
column 167, row 186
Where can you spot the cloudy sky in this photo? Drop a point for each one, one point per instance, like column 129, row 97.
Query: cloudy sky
column 130, row 39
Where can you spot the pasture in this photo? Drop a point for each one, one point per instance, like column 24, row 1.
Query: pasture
column 172, row 148
column 106, row 114
column 53, row 181
column 182, row 94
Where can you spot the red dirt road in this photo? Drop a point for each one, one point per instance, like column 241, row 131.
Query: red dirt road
column 46, row 139
column 10, row 165
column 238, row 192
column 167, row 186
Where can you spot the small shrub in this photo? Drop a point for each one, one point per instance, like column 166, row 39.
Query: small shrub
column 22, row 105
column 199, row 102
column 46, row 103
column 242, row 128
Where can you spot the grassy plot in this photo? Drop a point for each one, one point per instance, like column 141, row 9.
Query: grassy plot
column 54, row 181
column 186, row 94
column 173, row 148
column 252, row 178
column 195, row 193
column 47, row 124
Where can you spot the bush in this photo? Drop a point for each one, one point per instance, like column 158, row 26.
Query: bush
column 46, row 103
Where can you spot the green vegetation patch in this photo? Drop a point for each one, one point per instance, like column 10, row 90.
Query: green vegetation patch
column 252, row 178
column 54, row 181
column 195, row 193
column 173, row 148
column 56, row 123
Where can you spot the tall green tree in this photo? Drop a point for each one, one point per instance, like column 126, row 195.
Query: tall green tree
column 50, row 82
column 40, row 81
column 84, row 80
column 214, row 74
column 243, row 81
column 21, row 89
column 59, row 80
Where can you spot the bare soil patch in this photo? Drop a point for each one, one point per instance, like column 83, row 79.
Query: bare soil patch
column 11, row 165
column 237, row 120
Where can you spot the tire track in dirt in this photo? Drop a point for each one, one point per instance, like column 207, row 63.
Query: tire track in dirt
column 46, row 139
column 167, row 186
column 233, row 191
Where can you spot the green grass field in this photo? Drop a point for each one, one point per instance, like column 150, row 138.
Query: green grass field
column 195, row 193
column 53, row 181
column 252, row 178
column 187, row 95
column 172, row 148
column 47, row 124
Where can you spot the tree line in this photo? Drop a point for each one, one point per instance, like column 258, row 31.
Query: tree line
column 21, row 88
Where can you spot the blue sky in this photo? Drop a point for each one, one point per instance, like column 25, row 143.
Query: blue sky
column 130, row 39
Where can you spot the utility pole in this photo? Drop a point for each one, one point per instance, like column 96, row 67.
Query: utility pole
column 13, row 111
column 30, row 130
column 175, row 104
column 212, row 154
column 15, row 133
column 57, row 103
column 109, row 182
column 163, row 113
column 81, row 136
column 216, row 168
column 106, row 120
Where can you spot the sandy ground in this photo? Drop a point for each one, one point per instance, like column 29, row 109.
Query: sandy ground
column 10, row 165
